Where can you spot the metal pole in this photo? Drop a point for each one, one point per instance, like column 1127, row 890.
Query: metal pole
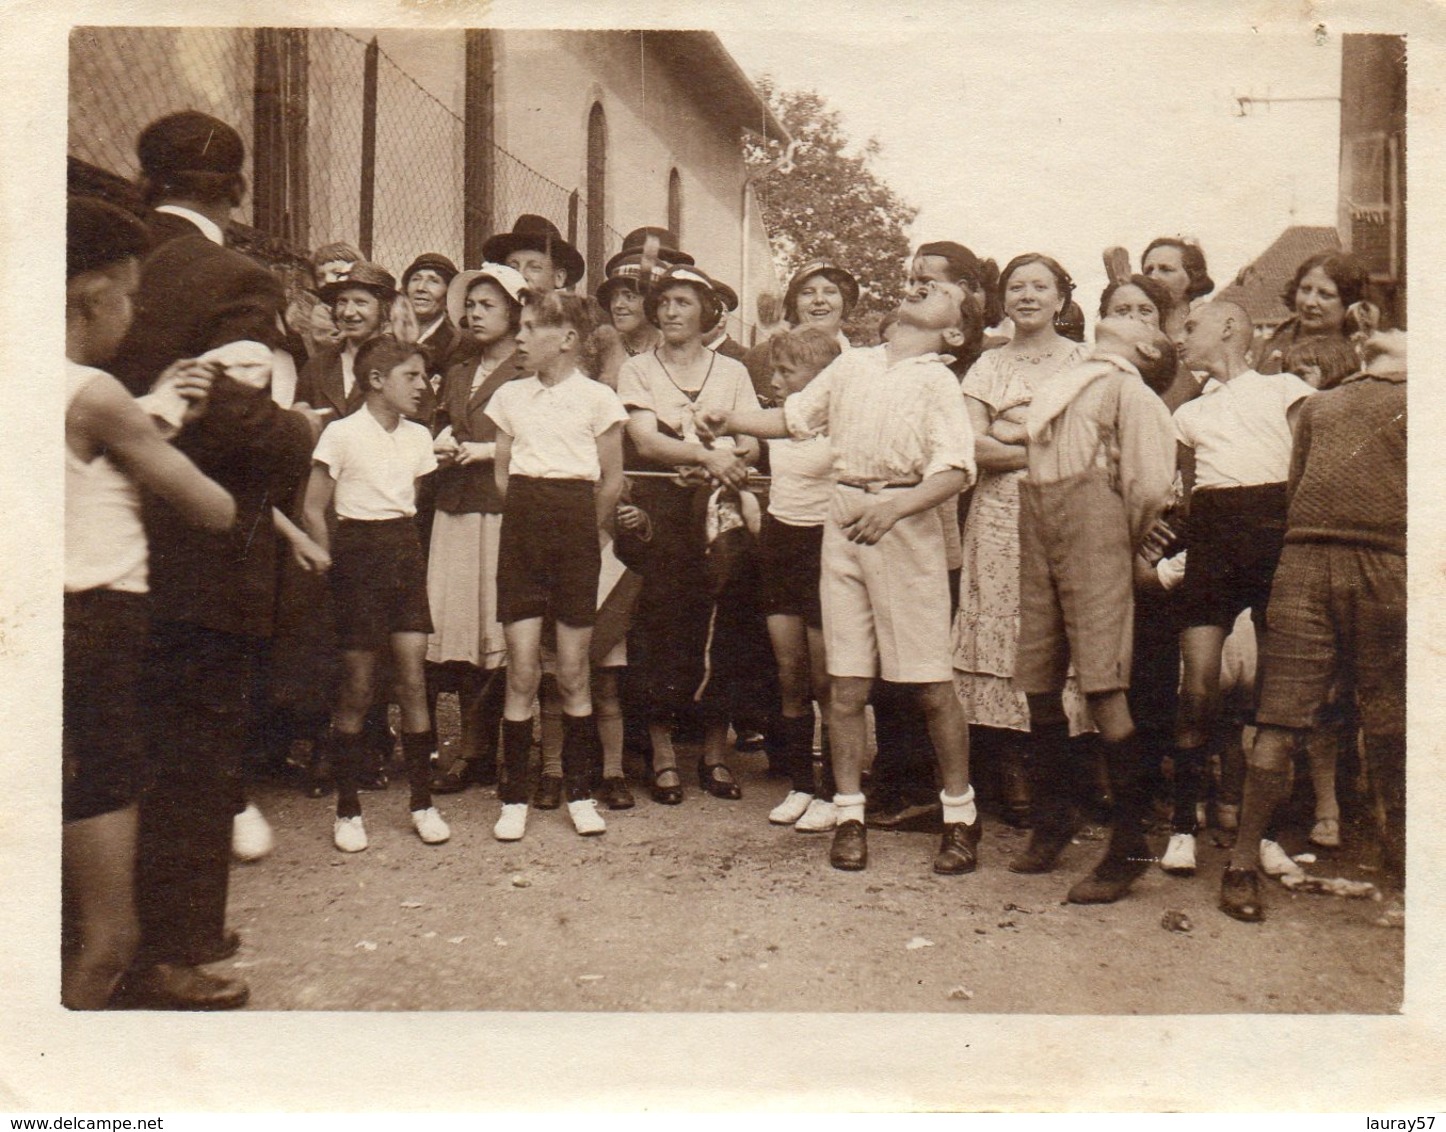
column 369, row 148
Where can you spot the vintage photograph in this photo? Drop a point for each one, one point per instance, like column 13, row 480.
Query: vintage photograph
column 614, row 523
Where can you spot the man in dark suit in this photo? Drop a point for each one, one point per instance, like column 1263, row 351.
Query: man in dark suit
column 213, row 594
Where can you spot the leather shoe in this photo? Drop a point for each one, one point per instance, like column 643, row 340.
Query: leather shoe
column 1109, row 881
column 171, row 986
column 667, row 795
column 958, row 849
column 910, row 817
column 465, row 772
column 615, row 794
column 1240, row 895
column 223, row 948
column 717, row 779
column 1042, row 852
column 850, row 849
column 548, row 795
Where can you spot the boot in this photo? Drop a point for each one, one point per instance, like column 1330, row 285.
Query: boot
column 1051, row 812
column 1128, row 854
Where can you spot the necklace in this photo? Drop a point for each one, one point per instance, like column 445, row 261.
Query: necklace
column 1037, row 358
column 691, row 394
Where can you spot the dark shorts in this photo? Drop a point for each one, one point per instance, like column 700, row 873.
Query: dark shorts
column 1235, row 538
column 1076, row 593
column 1336, row 611
column 103, row 738
column 548, row 556
column 788, row 561
column 378, row 582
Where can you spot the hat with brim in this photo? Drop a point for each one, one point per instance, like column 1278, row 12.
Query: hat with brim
column 636, row 241
column 686, row 273
column 508, row 278
column 368, row 276
column 627, row 271
column 536, row 234
column 430, row 261
column 831, row 271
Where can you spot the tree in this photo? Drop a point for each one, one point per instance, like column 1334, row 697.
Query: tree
column 831, row 205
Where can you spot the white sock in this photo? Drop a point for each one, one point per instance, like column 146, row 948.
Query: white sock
column 850, row 807
column 960, row 809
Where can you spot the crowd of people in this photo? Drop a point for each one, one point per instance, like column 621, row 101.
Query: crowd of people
column 607, row 527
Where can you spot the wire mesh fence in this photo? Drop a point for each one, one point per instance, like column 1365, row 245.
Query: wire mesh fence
column 398, row 192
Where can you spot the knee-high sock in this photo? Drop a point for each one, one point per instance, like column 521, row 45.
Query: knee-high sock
column 516, row 751
column 1128, row 789
column 1189, row 770
column 1387, row 758
column 610, row 735
column 579, row 754
column 797, row 734
column 417, row 754
column 347, row 753
column 1051, row 778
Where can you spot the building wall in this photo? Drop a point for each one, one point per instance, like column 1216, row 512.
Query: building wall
column 547, row 82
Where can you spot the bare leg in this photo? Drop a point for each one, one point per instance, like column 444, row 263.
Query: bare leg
column 97, row 865
column 950, row 734
column 848, row 730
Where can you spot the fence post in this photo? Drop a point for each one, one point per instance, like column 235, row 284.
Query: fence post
column 297, row 123
column 268, row 157
column 369, row 146
column 478, row 168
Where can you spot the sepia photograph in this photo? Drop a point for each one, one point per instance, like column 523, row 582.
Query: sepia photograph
column 742, row 547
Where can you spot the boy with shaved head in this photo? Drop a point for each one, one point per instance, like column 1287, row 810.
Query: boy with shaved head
column 1234, row 452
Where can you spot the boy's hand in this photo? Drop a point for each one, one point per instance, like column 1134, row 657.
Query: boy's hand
column 726, row 466
column 630, row 518
column 473, row 452
column 711, row 424
column 191, row 380
column 1156, row 542
column 310, row 556
column 872, row 523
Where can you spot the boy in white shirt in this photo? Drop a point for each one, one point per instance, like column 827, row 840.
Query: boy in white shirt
column 368, row 465
column 902, row 445
column 559, row 467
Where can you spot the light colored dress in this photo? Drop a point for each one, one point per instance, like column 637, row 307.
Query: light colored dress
column 986, row 628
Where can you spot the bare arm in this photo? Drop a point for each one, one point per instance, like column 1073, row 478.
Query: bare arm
column 610, row 486
column 769, row 424
column 502, row 460
column 992, row 455
column 727, row 467
column 309, row 556
column 319, row 490
column 106, row 415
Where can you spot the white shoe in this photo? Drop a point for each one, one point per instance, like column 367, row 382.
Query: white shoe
column 1179, row 858
column 513, row 822
column 791, row 808
column 1275, row 861
column 349, row 835
column 429, row 826
column 251, row 836
column 585, row 818
column 820, row 817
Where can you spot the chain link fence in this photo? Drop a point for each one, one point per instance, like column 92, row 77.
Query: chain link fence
column 122, row 78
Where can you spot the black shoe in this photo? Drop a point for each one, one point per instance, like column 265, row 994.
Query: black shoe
column 1109, row 882
column 959, row 849
column 749, row 741
column 1043, row 850
column 223, row 948
column 850, row 849
column 548, row 795
column 463, row 773
column 667, row 795
column 172, row 986
column 615, row 795
column 717, row 779
column 910, row 817
column 1240, row 895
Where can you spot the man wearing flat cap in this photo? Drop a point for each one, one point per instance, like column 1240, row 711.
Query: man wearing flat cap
column 213, row 594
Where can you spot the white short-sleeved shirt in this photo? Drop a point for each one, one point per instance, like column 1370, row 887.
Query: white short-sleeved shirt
column 643, row 383
column 554, row 429
column 375, row 470
column 1239, row 429
column 802, row 480
column 887, row 423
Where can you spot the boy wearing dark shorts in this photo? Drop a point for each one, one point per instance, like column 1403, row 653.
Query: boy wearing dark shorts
column 368, row 465
column 1100, row 473
column 1337, row 608
column 1234, row 452
column 559, row 470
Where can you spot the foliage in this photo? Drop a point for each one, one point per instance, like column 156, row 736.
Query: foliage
column 831, row 205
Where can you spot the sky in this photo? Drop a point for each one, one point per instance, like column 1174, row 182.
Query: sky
column 1030, row 137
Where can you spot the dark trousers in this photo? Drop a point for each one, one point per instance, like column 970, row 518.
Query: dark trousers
column 197, row 698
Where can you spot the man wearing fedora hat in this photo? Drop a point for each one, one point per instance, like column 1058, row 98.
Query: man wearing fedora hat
column 536, row 248
column 213, row 594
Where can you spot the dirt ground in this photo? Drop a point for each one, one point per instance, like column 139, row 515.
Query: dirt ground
column 707, row 907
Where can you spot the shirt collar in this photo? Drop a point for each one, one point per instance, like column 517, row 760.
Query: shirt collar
column 209, row 228
column 432, row 327
column 575, row 375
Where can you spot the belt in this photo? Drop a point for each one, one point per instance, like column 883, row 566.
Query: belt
column 873, row 487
